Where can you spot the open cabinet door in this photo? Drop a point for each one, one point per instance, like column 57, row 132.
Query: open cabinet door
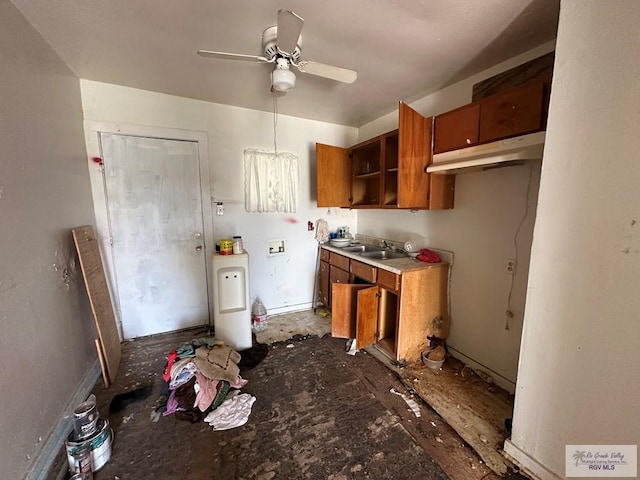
column 367, row 317
column 344, row 305
column 414, row 155
column 333, row 176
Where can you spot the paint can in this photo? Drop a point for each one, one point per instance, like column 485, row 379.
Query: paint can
column 99, row 446
column 85, row 418
column 82, row 460
column 82, row 476
column 226, row 247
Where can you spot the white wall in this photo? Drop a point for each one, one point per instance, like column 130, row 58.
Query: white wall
column 284, row 282
column 578, row 380
column 481, row 231
column 46, row 327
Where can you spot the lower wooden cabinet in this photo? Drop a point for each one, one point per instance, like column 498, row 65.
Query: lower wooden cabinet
column 334, row 268
column 398, row 313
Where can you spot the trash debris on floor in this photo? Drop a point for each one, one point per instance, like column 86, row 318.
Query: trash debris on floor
column 310, row 400
column 351, row 347
column 415, row 408
column 480, row 408
column 434, row 356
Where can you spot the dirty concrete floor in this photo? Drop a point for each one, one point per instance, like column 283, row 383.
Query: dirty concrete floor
column 319, row 414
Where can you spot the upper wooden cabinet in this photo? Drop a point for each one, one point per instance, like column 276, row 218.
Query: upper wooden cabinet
column 513, row 112
column 457, row 129
column 388, row 171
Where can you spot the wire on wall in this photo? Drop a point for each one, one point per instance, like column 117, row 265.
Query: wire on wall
column 509, row 312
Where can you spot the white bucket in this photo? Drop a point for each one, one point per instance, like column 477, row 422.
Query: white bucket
column 99, row 445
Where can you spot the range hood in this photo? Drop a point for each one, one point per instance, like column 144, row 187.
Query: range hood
column 512, row 151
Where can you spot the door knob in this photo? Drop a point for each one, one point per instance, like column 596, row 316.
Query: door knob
column 197, row 235
column 198, row 248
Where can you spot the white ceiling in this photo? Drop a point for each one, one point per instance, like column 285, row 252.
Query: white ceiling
column 402, row 49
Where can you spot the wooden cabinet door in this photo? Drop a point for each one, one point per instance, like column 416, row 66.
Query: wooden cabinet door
column 414, row 155
column 456, row 129
column 441, row 191
column 367, row 317
column 323, row 285
column 344, row 306
column 333, row 176
column 513, row 112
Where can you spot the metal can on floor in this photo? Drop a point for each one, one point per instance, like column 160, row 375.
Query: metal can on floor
column 98, row 445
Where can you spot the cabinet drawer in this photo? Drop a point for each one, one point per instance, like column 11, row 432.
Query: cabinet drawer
column 364, row 271
column 514, row 112
column 324, row 255
column 339, row 261
column 388, row 280
column 337, row 275
column 456, row 129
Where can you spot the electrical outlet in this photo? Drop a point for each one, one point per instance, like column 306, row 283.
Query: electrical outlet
column 511, row 266
column 219, row 208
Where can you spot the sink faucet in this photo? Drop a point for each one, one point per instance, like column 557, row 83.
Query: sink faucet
column 385, row 245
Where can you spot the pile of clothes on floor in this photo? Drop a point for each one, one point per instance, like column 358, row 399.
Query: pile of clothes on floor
column 202, row 381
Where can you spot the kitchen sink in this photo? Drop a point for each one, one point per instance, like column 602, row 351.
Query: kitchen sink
column 384, row 254
column 362, row 249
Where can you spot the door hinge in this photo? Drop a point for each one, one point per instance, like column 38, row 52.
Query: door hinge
column 377, row 334
column 379, row 294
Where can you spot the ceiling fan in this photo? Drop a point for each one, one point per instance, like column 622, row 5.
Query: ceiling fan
column 281, row 45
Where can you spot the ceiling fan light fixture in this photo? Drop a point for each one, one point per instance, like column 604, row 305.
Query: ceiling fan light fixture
column 281, row 44
column 282, row 79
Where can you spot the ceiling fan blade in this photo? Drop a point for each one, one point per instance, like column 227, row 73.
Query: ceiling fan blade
column 289, row 30
column 232, row 56
column 328, row 71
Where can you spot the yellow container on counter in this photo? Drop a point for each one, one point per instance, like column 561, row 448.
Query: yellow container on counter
column 226, row 247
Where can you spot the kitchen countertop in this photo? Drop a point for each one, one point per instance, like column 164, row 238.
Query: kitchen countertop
column 395, row 265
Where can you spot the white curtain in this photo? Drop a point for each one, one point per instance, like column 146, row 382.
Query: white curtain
column 270, row 181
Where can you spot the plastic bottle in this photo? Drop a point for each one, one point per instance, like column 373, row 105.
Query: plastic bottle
column 237, row 245
column 259, row 316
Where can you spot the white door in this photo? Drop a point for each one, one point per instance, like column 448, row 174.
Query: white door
column 154, row 205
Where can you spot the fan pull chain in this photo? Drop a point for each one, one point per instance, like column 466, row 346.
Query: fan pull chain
column 275, row 123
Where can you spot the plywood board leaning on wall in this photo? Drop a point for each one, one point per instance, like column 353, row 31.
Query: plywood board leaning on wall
column 108, row 344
